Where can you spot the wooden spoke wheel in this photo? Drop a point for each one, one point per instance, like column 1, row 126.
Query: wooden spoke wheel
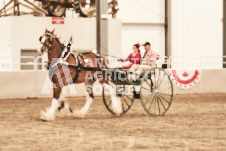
column 125, row 92
column 156, row 92
column 84, row 8
column 56, row 10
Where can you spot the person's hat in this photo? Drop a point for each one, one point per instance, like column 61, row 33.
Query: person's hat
column 146, row 43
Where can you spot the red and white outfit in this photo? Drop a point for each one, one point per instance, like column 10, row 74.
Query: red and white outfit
column 133, row 60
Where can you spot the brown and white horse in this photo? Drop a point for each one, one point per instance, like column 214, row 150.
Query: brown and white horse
column 60, row 78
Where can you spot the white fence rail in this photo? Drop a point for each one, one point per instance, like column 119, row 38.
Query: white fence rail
column 210, row 62
column 39, row 63
column 17, row 63
column 22, row 63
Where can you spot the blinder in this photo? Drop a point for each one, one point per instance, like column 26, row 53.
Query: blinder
column 50, row 39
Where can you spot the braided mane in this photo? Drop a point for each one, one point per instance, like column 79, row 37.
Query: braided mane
column 58, row 41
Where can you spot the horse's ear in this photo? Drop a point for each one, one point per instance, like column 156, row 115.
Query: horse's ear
column 53, row 31
column 46, row 30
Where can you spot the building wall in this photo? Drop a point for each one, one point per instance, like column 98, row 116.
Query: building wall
column 27, row 30
column 5, row 44
column 197, row 31
column 111, row 36
column 23, row 33
column 141, row 11
column 132, row 34
column 142, row 20
column 196, row 34
column 114, row 41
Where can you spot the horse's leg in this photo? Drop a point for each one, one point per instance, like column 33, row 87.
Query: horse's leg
column 116, row 100
column 64, row 108
column 49, row 115
column 89, row 100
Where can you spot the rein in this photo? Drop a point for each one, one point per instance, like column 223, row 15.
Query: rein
column 79, row 67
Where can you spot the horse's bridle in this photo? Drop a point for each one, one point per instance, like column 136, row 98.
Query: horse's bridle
column 51, row 37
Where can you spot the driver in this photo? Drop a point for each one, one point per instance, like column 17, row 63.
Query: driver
column 150, row 56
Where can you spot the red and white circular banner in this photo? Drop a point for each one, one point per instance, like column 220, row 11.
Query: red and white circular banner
column 185, row 79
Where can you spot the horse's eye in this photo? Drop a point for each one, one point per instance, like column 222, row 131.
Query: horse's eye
column 40, row 39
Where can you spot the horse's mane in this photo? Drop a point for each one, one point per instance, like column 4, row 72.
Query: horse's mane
column 58, row 41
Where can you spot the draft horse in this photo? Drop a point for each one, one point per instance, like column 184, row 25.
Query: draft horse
column 73, row 73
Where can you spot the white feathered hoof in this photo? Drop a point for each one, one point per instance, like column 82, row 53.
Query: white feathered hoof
column 118, row 111
column 117, row 106
column 47, row 117
column 66, row 110
column 79, row 114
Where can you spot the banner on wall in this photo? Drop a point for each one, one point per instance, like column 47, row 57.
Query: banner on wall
column 57, row 20
column 185, row 79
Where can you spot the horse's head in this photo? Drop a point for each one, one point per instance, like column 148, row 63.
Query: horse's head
column 46, row 40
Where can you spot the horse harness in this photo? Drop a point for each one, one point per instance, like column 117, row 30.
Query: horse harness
column 53, row 67
column 79, row 66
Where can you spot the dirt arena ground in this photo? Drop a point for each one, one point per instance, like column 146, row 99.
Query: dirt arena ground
column 194, row 122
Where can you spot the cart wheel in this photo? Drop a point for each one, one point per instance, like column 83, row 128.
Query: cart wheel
column 56, row 10
column 83, row 7
column 126, row 94
column 156, row 92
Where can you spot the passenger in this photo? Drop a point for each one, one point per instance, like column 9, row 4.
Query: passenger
column 134, row 57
